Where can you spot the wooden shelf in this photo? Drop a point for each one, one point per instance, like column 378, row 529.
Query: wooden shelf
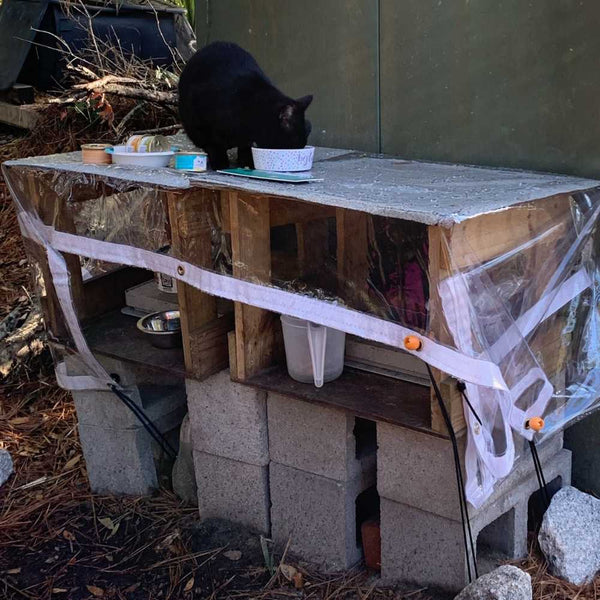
column 364, row 394
column 116, row 335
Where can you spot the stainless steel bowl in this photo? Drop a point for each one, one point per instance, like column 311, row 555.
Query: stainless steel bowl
column 164, row 328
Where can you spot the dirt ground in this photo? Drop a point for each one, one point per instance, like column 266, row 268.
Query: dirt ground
column 59, row 541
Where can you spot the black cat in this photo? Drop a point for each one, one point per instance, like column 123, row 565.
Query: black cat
column 225, row 100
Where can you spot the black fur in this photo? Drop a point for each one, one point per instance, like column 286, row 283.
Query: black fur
column 226, row 101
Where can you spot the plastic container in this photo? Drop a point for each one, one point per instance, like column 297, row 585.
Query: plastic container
column 283, row 161
column 314, row 353
column 121, row 155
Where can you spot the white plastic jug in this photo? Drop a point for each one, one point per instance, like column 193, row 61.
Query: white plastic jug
column 314, row 353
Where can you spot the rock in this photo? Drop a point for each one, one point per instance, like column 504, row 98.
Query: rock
column 6, row 466
column 570, row 535
column 184, row 475
column 504, row 583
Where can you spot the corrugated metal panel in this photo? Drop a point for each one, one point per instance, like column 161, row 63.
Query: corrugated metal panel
column 507, row 83
column 327, row 48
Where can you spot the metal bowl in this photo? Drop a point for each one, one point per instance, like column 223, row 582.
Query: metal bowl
column 164, row 328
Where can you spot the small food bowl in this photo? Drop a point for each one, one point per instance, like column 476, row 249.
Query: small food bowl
column 123, row 155
column 283, row 161
column 164, row 328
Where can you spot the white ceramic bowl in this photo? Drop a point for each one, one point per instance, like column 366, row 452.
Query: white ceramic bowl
column 122, row 156
column 288, row 160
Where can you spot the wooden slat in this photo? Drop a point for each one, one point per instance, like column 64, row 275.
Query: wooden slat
column 438, row 270
column 190, row 216
column 352, row 257
column 313, row 248
column 366, row 395
column 286, row 212
column 257, row 332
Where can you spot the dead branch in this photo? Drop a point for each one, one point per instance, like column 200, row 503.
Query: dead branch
column 131, row 92
column 103, row 81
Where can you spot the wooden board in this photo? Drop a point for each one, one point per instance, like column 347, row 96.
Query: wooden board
column 191, row 222
column 257, row 331
column 352, row 257
column 364, row 394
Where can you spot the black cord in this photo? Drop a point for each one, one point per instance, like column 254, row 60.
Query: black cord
column 143, row 418
column 537, row 463
column 462, row 498
column 461, row 387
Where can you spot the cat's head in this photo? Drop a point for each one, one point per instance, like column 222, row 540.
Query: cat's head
column 290, row 128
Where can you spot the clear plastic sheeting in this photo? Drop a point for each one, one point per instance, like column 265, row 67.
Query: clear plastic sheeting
column 515, row 319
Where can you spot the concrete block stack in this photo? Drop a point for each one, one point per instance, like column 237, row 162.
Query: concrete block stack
column 231, row 450
column 121, row 456
column 315, row 479
column 421, row 528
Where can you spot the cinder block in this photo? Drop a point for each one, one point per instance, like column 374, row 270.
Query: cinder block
column 582, row 440
column 165, row 407
column 316, row 439
column 228, row 419
column 421, row 547
column 233, row 490
column 118, row 461
column 316, row 514
column 418, row 469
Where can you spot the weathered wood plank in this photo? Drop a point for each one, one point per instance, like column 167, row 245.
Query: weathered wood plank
column 191, row 222
column 257, row 332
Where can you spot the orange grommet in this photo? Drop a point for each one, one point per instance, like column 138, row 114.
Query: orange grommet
column 535, row 423
column 412, row 342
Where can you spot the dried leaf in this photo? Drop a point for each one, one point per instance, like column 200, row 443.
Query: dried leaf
column 68, row 535
column 95, row 591
column 298, row 580
column 59, row 590
column 110, row 525
column 71, row 463
column 19, row 420
column 131, row 588
column 288, row 571
column 233, row 554
column 189, row 585
column 13, row 571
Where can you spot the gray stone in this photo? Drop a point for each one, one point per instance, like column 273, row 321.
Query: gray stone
column 184, row 475
column 570, row 535
column 505, row 583
column 6, row 466
column 233, row 490
column 582, row 440
column 418, row 469
column 228, row 419
column 316, row 515
column 315, row 439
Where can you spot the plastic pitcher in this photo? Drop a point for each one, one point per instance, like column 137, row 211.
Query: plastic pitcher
column 314, row 353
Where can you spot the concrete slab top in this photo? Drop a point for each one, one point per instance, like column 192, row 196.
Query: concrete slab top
column 430, row 193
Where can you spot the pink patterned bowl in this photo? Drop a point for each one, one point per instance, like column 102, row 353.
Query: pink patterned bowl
column 268, row 159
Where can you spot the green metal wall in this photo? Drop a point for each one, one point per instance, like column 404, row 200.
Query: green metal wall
column 499, row 82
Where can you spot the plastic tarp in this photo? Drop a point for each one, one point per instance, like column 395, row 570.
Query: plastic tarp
column 519, row 328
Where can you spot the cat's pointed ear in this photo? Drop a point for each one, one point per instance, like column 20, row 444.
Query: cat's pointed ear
column 286, row 115
column 304, row 102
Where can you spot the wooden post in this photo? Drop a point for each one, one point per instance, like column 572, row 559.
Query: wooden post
column 204, row 337
column 257, row 331
column 352, row 257
column 49, row 208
